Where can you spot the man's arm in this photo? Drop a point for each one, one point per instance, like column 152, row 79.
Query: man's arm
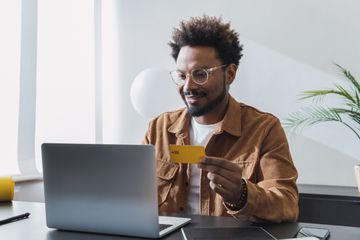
column 274, row 197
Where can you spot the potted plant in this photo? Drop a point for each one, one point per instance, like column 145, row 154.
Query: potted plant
column 347, row 113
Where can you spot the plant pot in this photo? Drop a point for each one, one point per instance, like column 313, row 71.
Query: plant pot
column 357, row 175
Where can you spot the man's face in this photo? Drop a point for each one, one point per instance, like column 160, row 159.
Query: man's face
column 201, row 99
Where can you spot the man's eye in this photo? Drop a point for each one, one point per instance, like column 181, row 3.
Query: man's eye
column 199, row 74
column 181, row 75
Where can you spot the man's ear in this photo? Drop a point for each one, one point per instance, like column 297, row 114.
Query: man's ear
column 230, row 73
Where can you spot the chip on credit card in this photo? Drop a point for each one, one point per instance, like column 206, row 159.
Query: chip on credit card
column 186, row 153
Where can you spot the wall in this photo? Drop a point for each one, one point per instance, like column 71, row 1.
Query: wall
column 290, row 46
column 32, row 191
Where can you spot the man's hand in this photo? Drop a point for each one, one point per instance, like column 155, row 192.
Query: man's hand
column 225, row 177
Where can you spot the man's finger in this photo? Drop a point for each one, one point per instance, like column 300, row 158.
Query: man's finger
column 225, row 173
column 219, row 189
column 219, row 162
column 221, row 181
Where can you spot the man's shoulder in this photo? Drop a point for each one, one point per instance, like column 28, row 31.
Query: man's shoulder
column 170, row 116
column 255, row 114
column 257, row 122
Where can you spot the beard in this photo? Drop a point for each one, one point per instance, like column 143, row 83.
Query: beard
column 195, row 111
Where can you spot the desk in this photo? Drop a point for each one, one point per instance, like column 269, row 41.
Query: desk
column 35, row 228
column 329, row 205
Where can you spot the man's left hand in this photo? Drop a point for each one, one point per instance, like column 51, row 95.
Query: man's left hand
column 225, row 177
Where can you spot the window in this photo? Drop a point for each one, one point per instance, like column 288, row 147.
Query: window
column 65, row 103
column 10, row 22
column 47, row 67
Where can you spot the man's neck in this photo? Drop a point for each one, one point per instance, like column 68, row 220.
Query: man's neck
column 216, row 115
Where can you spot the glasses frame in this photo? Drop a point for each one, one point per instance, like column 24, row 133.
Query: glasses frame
column 189, row 75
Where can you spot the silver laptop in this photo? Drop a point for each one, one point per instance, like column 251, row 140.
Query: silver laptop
column 104, row 189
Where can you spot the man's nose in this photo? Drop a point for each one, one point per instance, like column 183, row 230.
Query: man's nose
column 189, row 83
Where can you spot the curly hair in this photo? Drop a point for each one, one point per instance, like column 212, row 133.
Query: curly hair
column 211, row 32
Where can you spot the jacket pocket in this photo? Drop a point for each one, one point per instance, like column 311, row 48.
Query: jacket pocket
column 166, row 173
column 248, row 171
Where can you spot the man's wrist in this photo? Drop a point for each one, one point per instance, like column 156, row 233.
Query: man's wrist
column 240, row 203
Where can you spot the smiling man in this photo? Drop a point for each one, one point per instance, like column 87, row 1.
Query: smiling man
column 247, row 170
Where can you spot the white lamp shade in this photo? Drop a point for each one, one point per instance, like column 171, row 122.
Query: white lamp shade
column 153, row 92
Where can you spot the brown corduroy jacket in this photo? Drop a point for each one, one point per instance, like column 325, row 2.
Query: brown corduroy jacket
column 252, row 139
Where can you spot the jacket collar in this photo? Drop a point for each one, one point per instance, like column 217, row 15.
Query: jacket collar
column 232, row 119
column 233, row 115
column 181, row 125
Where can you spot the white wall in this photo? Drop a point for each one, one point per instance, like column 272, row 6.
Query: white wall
column 289, row 47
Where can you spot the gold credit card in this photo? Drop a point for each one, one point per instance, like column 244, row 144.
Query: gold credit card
column 186, row 153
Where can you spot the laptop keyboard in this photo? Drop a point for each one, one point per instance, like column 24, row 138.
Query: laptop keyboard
column 163, row 226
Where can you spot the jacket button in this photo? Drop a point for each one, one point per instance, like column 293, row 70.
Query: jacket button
column 181, row 209
column 187, row 184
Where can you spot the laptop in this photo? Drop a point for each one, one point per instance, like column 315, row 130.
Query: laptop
column 101, row 188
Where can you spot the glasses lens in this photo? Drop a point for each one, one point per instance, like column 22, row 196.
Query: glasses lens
column 178, row 77
column 200, row 76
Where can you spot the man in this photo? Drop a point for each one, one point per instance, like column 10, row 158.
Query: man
column 247, row 170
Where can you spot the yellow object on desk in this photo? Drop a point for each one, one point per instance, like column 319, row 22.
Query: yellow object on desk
column 186, row 153
column 6, row 189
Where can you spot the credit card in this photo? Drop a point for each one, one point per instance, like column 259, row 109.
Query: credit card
column 186, row 153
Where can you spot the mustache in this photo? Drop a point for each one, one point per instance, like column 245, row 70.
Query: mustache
column 194, row 93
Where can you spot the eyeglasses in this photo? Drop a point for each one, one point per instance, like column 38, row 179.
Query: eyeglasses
column 198, row 76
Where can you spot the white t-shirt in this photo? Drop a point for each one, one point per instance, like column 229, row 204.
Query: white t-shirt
column 200, row 135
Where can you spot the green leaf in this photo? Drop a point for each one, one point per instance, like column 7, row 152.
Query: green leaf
column 352, row 113
column 357, row 99
column 310, row 116
column 350, row 110
column 343, row 92
column 350, row 77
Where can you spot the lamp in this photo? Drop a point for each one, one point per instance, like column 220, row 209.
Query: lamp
column 153, row 92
